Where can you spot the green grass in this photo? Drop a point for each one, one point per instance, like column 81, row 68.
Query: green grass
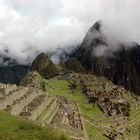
column 95, row 133
column 42, row 115
column 96, row 114
column 61, row 88
column 90, row 110
column 46, row 112
column 13, row 128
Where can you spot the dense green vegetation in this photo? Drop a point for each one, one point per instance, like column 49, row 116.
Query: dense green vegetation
column 50, row 71
column 74, row 65
column 44, row 66
column 13, row 128
column 40, row 63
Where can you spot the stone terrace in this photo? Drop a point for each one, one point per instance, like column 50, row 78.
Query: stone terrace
column 31, row 103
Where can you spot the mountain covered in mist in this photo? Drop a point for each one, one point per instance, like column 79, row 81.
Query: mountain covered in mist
column 44, row 66
column 121, row 65
column 11, row 71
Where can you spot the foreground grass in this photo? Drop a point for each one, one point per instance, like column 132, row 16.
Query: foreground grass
column 13, row 128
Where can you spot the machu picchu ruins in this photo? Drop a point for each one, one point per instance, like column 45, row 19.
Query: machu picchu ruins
column 69, row 70
column 75, row 104
column 81, row 105
column 31, row 103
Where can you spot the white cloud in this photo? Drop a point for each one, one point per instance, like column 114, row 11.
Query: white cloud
column 31, row 26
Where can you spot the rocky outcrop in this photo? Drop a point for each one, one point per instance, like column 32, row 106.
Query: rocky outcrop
column 121, row 67
column 40, row 63
column 44, row 66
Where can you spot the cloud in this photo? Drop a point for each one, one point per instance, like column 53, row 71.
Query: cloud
column 28, row 27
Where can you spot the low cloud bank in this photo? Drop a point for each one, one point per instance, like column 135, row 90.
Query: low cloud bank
column 30, row 27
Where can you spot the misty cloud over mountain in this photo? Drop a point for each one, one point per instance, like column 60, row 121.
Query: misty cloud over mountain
column 30, row 27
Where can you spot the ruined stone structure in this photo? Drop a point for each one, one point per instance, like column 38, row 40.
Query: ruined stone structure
column 30, row 103
column 5, row 89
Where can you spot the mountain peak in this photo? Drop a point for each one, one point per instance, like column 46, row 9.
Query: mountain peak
column 97, row 26
column 40, row 62
column 44, row 66
column 96, row 55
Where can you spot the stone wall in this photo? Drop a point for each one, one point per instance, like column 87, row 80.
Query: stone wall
column 17, row 109
column 39, row 109
column 11, row 97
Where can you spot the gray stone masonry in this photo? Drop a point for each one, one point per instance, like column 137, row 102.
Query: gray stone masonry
column 17, row 109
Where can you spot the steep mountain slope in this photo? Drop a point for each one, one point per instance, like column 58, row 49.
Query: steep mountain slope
column 40, row 63
column 13, row 74
column 44, row 66
column 11, row 71
column 74, row 65
column 47, row 69
column 121, row 66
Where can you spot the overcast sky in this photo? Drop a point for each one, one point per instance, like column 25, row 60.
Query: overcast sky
column 31, row 26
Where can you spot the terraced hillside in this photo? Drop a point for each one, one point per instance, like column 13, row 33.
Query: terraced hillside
column 31, row 103
column 83, row 106
column 15, row 128
column 106, row 109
